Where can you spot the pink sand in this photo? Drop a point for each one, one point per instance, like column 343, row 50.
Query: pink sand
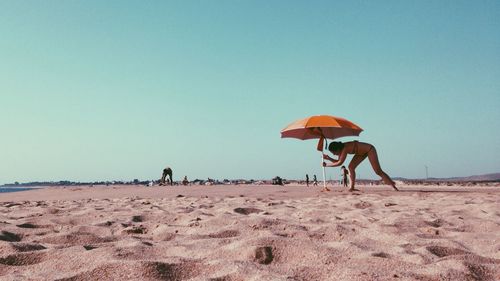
column 250, row 232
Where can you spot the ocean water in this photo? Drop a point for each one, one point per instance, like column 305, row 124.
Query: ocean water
column 13, row 189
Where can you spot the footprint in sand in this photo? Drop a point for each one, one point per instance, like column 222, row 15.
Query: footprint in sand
column 23, row 259
column 11, row 204
column 141, row 271
column 27, row 247
column 307, row 273
column 482, row 272
column 435, row 223
column 9, row 236
column 173, row 271
column 472, row 272
column 264, row 255
column 227, row 278
column 162, row 233
column 362, row 205
column 225, row 234
column 268, row 224
column 381, row 255
column 89, row 247
column 28, row 225
column 106, row 223
column 136, row 230
column 247, row 211
column 445, row 251
column 138, row 218
column 77, row 238
column 467, row 257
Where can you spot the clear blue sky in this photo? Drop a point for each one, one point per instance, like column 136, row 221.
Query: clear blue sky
column 116, row 90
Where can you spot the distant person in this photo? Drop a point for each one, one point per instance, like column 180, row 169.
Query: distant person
column 166, row 172
column 345, row 174
column 277, row 181
column 315, row 181
column 307, row 180
column 185, row 181
column 360, row 150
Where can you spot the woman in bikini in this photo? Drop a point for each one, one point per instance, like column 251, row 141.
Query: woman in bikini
column 360, row 150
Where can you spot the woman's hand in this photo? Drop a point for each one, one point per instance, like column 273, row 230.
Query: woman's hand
column 324, row 164
column 326, row 157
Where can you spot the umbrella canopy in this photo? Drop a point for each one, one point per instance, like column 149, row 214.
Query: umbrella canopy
column 315, row 127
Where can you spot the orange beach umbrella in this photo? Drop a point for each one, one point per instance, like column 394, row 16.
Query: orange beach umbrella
column 326, row 126
column 321, row 127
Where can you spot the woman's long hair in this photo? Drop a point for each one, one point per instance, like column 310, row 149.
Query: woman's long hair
column 336, row 147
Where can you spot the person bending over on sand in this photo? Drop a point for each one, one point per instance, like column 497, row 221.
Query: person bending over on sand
column 166, row 172
column 360, row 150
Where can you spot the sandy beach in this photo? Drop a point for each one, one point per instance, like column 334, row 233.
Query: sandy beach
column 250, row 232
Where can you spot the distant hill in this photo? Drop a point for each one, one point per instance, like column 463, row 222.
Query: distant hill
column 486, row 177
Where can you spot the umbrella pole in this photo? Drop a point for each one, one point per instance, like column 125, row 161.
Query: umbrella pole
column 324, row 174
column 325, row 188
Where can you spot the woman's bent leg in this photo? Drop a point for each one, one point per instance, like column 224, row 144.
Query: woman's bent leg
column 356, row 160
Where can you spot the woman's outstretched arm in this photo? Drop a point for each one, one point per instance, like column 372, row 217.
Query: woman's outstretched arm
column 335, row 163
